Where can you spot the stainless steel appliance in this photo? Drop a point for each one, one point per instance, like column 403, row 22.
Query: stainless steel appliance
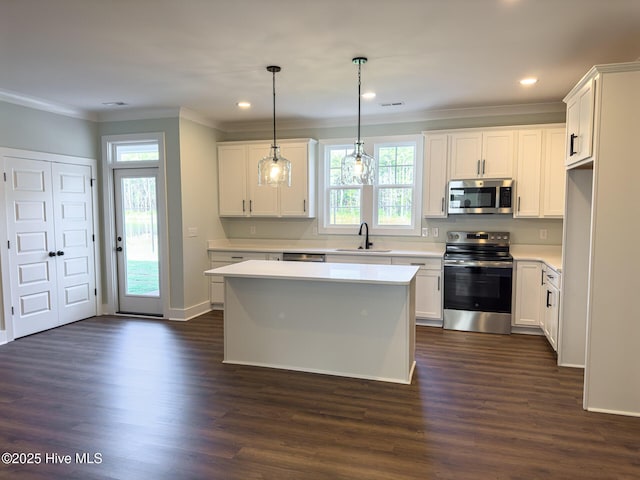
column 478, row 271
column 303, row 257
column 480, row 196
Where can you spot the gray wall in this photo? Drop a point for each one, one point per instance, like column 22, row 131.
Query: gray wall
column 31, row 129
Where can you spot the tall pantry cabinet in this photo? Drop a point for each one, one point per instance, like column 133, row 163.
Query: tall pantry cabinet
column 600, row 314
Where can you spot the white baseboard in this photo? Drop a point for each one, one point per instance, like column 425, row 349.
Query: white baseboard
column 3, row 337
column 570, row 365
column 184, row 314
column 614, row 412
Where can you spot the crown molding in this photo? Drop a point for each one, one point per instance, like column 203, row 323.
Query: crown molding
column 196, row 117
column 423, row 116
column 122, row 115
column 45, row 105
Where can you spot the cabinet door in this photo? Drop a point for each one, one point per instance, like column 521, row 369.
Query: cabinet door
column 580, row 110
column 263, row 199
column 497, row 154
column 232, row 180
column 435, row 176
column 551, row 315
column 429, row 294
column 466, row 153
column 528, row 282
column 294, row 200
column 553, row 186
column 528, row 175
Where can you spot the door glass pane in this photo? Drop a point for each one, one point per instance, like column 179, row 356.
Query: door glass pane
column 141, row 236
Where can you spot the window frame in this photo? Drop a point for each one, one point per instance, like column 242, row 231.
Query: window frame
column 369, row 193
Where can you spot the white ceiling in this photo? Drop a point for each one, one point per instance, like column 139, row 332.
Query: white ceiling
column 206, row 55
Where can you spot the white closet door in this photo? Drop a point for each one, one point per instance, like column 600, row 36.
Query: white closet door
column 73, row 213
column 32, row 257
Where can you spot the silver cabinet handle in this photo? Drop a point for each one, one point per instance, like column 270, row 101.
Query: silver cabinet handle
column 478, row 168
column 442, row 207
column 483, row 162
column 416, row 264
column 438, row 282
column 250, row 206
column 304, row 205
column 518, row 203
column 243, row 209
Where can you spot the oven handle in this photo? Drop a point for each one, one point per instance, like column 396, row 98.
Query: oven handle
column 479, row 263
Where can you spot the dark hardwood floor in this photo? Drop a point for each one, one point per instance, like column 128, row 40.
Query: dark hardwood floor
column 153, row 400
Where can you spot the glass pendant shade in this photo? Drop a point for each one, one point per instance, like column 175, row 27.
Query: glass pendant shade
column 358, row 167
column 274, row 169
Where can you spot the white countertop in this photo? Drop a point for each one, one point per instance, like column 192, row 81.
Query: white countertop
column 549, row 254
column 327, row 272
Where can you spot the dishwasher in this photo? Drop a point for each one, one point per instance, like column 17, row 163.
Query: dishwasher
column 303, row 257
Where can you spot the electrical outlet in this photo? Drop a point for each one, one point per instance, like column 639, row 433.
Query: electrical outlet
column 435, row 232
column 543, row 234
column 252, row 229
column 425, row 232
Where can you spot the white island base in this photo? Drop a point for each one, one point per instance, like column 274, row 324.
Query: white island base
column 339, row 319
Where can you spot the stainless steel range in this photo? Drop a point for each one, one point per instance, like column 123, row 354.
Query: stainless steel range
column 478, row 271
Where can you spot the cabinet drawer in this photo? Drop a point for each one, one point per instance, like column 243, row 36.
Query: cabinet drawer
column 552, row 277
column 234, row 257
column 425, row 263
column 361, row 258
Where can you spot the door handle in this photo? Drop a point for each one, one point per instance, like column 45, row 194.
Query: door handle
column 118, row 249
column 572, row 140
column 52, row 254
column 548, row 294
column 59, row 253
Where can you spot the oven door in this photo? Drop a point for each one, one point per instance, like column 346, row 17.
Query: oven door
column 478, row 286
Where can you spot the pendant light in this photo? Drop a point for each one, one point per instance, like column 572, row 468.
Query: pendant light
column 358, row 167
column 274, row 169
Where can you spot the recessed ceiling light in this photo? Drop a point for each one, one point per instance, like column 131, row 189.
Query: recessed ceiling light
column 528, row 81
column 244, row 104
column 369, row 95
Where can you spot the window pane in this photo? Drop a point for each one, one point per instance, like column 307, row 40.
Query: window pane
column 336, row 154
column 394, row 206
column 344, row 206
column 137, row 152
column 396, row 165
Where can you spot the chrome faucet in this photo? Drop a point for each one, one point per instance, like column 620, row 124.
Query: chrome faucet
column 367, row 243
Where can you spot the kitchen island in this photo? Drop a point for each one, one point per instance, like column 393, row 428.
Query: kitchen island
column 335, row 318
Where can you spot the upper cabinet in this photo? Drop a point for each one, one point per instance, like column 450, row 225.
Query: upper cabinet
column 434, row 185
column 580, row 115
column 540, row 173
column 240, row 195
column 482, row 154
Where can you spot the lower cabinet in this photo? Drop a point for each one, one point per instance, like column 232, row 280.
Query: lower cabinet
column 527, row 298
column 428, row 285
column 220, row 259
column 537, row 298
column 551, row 298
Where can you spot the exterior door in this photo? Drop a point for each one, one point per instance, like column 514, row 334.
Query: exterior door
column 51, row 256
column 137, row 241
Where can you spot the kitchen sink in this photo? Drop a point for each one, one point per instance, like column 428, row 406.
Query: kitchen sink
column 362, row 250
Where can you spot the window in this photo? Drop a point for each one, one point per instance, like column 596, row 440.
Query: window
column 391, row 206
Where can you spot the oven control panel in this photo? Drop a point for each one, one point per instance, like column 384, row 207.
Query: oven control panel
column 478, row 237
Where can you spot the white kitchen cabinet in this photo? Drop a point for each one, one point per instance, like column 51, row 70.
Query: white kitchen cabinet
column 554, row 173
column 428, row 285
column 221, row 259
column 528, row 283
column 482, row 154
column 239, row 192
column 434, row 186
column 551, row 303
column 580, row 116
column 529, row 170
column 540, row 173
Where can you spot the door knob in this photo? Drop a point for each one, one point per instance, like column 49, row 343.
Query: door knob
column 118, row 249
column 52, row 254
column 59, row 253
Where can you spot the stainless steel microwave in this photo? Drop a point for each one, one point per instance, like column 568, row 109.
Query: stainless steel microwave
column 480, row 196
